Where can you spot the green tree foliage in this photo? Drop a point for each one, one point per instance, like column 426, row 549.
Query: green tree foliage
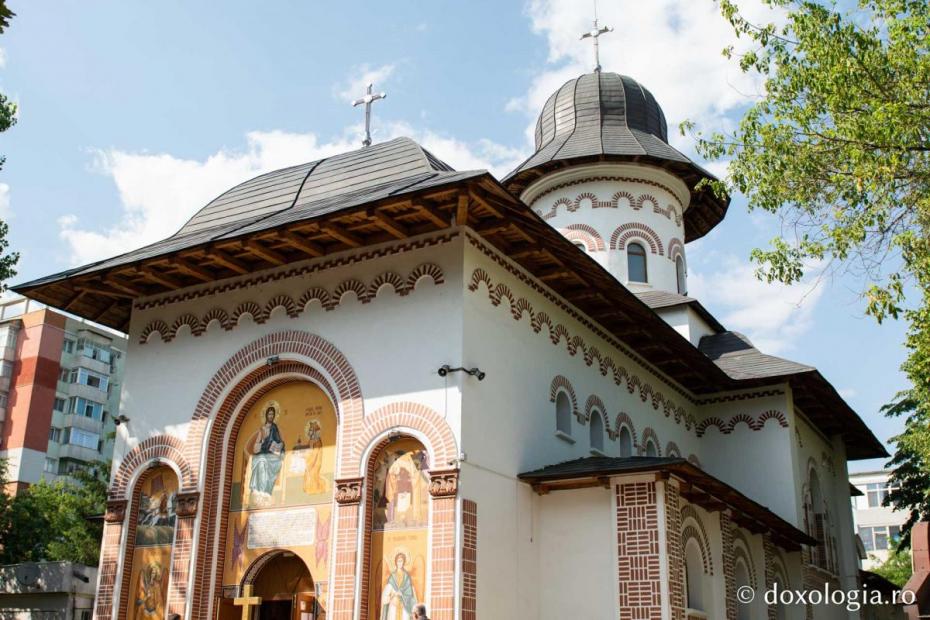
column 58, row 521
column 838, row 146
column 897, row 568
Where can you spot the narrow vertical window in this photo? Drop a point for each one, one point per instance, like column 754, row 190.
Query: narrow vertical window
column 626, row 442
column 681, row 275
column 597, row 432
column 563, row 414
column 636, row 263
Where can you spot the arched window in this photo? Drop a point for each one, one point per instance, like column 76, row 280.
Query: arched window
column 636, row 263
column 651, row 449
column 597, row 431
column 681, row 274
column 563, row 413
column 626, row 442
column 741, row 579
column 694, row 576
column 581, row 245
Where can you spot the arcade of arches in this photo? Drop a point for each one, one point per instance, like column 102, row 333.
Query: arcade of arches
column 281, row 501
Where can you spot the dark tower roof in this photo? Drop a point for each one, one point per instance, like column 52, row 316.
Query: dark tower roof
column 611, row 117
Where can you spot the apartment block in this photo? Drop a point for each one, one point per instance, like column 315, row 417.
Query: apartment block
column 60, row 380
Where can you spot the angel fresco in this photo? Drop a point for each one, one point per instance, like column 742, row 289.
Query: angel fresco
column 267, row 457
column 151, row 591
column 398, row 597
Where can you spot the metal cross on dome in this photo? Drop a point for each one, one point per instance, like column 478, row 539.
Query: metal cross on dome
column 595, row 34
column 367, row 100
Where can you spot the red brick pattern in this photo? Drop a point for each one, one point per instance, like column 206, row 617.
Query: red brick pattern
column 614, row 202
column 636, row 230
column 550, row 296
column 674, row 551
column 577, row 344
column 768, row 550
column 638, row 551
column 692, row 527
column 675, row 249
column 154, row 448
column 442, row 532
column 585, row 234
column 755, row 424
column 126, row 572
column 649, row 435
column 109, row 562
column 343, row 591
column 729, row 577
column 469, row 560
column 260, row 313
column 225, row 396
column 180, row 564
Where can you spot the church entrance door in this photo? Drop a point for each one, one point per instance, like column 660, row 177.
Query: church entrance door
column 286, row 589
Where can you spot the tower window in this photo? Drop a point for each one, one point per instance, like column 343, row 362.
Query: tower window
column 681, row 274
column 636, row 263
column 597, row 431
column 563, row 414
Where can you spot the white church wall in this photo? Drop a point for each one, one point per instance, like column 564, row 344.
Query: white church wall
column 751, row 433
column 686, row 322
column 610, row 203
column 165, row 379
column 577, row 574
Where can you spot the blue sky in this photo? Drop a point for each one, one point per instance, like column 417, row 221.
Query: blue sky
column 135, row 114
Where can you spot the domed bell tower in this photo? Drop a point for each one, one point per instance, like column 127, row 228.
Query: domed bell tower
column 604, row 175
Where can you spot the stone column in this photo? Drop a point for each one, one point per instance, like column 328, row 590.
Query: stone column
column 186, row 511
column 113, row 519
column 348, row 498
column 443, row 488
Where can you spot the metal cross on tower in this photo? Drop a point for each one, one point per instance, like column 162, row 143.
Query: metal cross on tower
column 367, row 100
column 595, row 34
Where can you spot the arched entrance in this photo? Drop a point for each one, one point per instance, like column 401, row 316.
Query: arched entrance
column 279, row 587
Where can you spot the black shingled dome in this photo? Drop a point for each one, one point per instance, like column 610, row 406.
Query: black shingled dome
column 611, row 117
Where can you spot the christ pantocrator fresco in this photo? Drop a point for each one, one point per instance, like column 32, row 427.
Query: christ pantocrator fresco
column 283, row 470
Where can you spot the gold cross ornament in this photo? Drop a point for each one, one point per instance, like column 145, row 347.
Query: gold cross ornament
column 246, row 601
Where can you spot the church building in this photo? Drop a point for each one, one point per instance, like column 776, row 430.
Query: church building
column 372, row 381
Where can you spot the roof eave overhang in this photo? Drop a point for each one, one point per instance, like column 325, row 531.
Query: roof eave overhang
column 705, row 211
column 698, row 487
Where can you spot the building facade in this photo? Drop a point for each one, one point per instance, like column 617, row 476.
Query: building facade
column 372, row 381
column 47, row 591
column 60, row 382
column 878, row 526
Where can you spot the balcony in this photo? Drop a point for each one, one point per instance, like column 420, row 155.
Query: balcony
column 85, row 391
column 84, row 423
column 78, row 453
column 91, row 364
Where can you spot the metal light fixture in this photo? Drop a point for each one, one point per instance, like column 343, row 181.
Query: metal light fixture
column 445, row 369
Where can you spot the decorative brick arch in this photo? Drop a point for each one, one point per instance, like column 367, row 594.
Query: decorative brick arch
column 169, row 451
column 252, row 572
column 561, row 384
column 691, row 519
column 586, row 234
column 161, row 447
column 649, row 435
column 671, row 449
column 411, row 419
column 675, row 249
column 742, row 550
column 594, row 405
column 402, row 415
column 632, row 230
column 623, row 419
column 235, row 388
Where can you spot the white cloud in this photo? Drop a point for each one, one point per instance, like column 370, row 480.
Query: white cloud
column 5, row 211
column 359, row 78
column 673, row 47
column 160, row 192
column 774, row 316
